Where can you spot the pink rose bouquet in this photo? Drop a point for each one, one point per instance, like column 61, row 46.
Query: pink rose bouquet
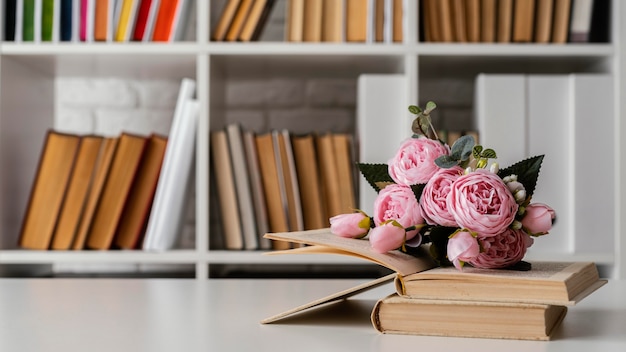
column 453, row 199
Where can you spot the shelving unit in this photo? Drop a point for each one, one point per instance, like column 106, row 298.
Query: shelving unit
column 27, row 102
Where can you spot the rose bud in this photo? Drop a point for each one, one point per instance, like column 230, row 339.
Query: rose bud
column 355, row 225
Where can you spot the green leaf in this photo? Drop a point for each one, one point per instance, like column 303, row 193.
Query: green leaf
column 414, row 109
column 446, row 161
column 476, row 151
column 430, row 106
column 462, row 148
column 375, row 173
column 439, row 236
column 527, row 172
column 417, row 190
column 489, row 153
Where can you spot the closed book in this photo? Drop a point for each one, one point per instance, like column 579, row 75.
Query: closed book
column 151, row 20
column 48, row 190
column 103, row 165
column 241, row 176
column 312, row 26
column 356, row 20
column 9, row 20
column 132, row 224
column 580, row 22
column 163, row 25
column 333, row 21
column 505, row 21
column 182, row 23
column 560, row 22
column 225, row 19
column 473, row 20
column 342, row 147
column 77, row 192
column 116, row 190
column 287, row 166
column 398, row 21
column 328, row 171
column 309, row 179
column 268, row 164
column 256, row 185
column 432, row 28
column 294, row 21
column 493, row 19
column 168, row 206
column 66, row 20
column 444, row 16
column 518, row 321
column 543, row 21
column 523, row 21
column 126, row 21
column 241, row 16
column 379, row 20
column 459, row 20
column 101, row 20
column 142, row 20
column 28, row 21
column 47, row 20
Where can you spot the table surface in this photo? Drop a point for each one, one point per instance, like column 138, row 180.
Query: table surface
column 224, row 315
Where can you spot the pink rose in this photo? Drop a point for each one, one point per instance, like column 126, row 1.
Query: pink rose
column 502, row 250
column 355, row 225
column 538, row 219
column 462, row 247
column 387, row 237
column 434, row 197
column 482, row 203
column 414, row 163
column 397, row 202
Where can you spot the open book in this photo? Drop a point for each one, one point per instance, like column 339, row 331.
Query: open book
column 562, row 284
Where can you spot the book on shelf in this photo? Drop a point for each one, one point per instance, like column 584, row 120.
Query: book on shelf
column 169, row 200
column 328, row 170
column 309, row 179
column 132, row 225
column 312, row 21
column 399, row 21
column 599, row 32
column 395, row 314
column 49, row 21
column 101, row 172
column 28, row 21
column 459, row 21
column 126, row 21
column 143, row 11
column 243, row 190
column 560, row 22
column 226, row 191
column 333, row 13
column 356, row 20
column 342, row 148
column 116, row 190
column 77, row 192
column 238, row 20
column 523, row 21
column 226, row 17
column 102, row 22
column 48, row 190
column 580, row 23
column 294, row 21
column 287, row 174
column 377, row 17
column 10, row 9
column 150, row 20
column 491, row 19
column 256, row 185
column 253, row 26
column 543, row 21
column 431, row 24
column 473, row 20
column 504, row 21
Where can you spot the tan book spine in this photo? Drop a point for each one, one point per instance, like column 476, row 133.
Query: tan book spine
column 228, row 13
column 356, row 20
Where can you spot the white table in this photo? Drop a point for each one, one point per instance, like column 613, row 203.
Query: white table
column 223, row 315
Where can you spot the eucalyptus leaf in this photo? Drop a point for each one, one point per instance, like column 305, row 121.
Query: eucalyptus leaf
column 375, row 173
column 414, row 109
column 446, row 161
column 430, row 106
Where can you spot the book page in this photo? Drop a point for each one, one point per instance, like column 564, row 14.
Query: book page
column 327, row 242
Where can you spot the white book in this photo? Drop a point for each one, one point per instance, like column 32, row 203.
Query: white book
column 500, row 113
column 580, row 22
column 256, row 185
column 242, row 186
column 168, row 204
column 593, row 155
column 75, row 21
column 383, row 122
column 370, row 36
column 19, row 20
column 37, row 21
column 550, row 132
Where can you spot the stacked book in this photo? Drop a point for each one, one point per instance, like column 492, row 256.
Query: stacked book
column 519, row 21
column 443, row 301
column 98, row 20
column 279, row 182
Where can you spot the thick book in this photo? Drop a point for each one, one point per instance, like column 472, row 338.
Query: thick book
column 395, row 314
column 287, row 166
column 543, row 21
column 504, row 22
column 309, row 180
column 490, row 19
column 116, row 190
column 256, row 187
column 132, row 225
column 142, row 20
column 240, row 18
column 473, row 20
column 226, row 17
column 77, row 192
column 253, row 26
column 294, row 21
column 164, row 21
column 557, row 283
column 48, row 190
column 459, row 21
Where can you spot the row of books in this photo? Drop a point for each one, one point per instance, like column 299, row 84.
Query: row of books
column 124, row 192
column 314, row 20
column 427, row 299
column 277, row 182
column 519, row 21
column 97, row 20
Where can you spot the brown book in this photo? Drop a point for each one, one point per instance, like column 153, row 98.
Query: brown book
column 398, row 22
column 505, row 21
column 518, row 321
column 490, row 15
column 356, row 20
column 327, row 162
column 241, row 16
column 333, row 21
column 543, row 21
column 48, row 191
column 101, row 24
column 523, row 21
column 312, row 27
column 379, row 20
column 256, row 20
column 228, row 13
column 560, row 23
column 444, row 15
column 309, row 180
column 103, row 165
column 430, row 17
column 459, row 23
column 417, row 276
column 77, row 192
column 116, row 189
column 134, row 219
column 268, row 165
column 226, row 191
column 294, row 21
column 472, row 13
column 345, row 172
column 291, row 188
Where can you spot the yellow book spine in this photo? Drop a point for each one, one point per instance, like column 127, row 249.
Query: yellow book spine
column 122, row 25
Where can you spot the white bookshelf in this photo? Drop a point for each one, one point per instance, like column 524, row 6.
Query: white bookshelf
column 28, row 72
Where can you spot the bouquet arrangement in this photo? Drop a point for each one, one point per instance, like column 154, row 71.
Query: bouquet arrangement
column 454, row 198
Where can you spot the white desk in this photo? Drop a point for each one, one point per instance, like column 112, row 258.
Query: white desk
column 223, row 315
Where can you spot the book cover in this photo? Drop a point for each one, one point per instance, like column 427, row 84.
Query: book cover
column 101, row 20
column 309, row 180
column 342, row 148
column 150, row 21
column 48, row 190
column 261, row 22
column 398, row 315
column 328, row 170
column 77, row 192
column 132, row 224
column 126, row 20
column 66, row 21
column 580, row 21
column 356, row 20
column 333, row 21
column 398, row 21
column 9, row 20
column 490, row 19
column 459, row 24
column 287, row 166
column 312, row 24
column 228, row 13
column 473, row 20
column 142, row 19
column 116, row 190
column 444, row 16
column 431, row 26
column 523, row 21
column 164, row 20
column 182, row 20
column 47, row 20
column 28, row 22
column 560, row 22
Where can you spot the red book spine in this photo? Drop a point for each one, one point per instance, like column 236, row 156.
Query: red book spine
column 164, row 20
column 142, row 20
